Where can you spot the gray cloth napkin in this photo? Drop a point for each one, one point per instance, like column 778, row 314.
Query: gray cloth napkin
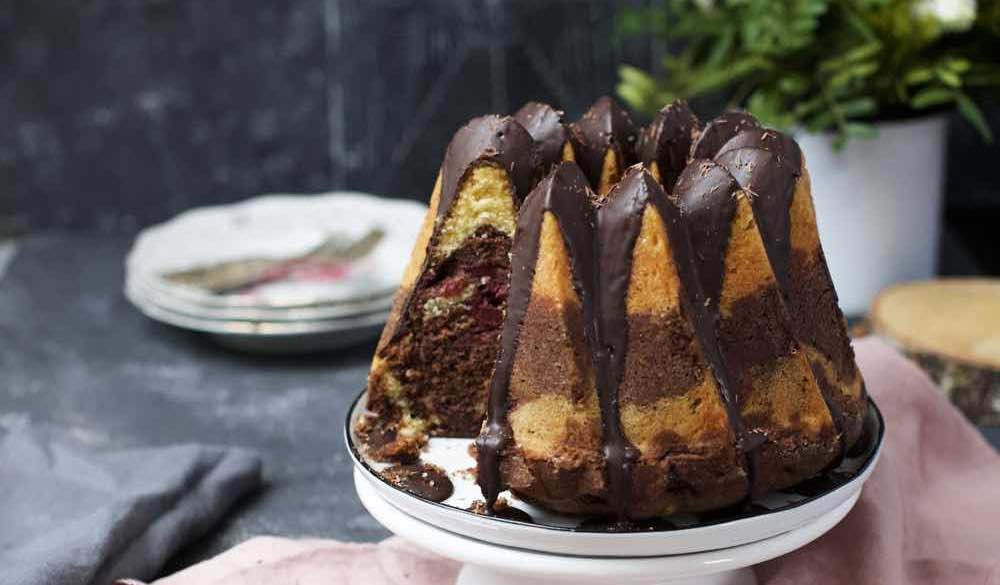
column 72, row 516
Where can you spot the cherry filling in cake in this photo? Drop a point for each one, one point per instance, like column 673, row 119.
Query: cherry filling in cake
column 457, row 308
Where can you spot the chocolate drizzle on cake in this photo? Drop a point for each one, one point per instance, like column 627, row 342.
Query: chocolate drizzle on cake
column 618, row 222
column 780, row 144
column 719, row 131
column 605, row 126
column 767, row 164
column 495, row 140
column 699, row 232
column 545, row 124
column 736, row 340
column 666, row 141
column 707, row 194
column 566, row 194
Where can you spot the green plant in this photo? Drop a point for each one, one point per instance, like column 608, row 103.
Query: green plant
column 822, row 65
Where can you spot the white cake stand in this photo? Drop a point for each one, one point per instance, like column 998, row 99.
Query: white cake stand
column 503, row 552
column 491, row 564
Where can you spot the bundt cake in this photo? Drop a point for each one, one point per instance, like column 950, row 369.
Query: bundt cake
column 631, row 324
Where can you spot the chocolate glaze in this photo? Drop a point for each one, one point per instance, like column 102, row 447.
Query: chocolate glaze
column 423, row 479
column 545, row 124
column 761, row 165
column 667, row 141
column 769, row 171
column 605, row 126
column 619, row 220
column 779, row 143
column 493, row 140
column 707, row 194
column 719, row 131
column 566, row 194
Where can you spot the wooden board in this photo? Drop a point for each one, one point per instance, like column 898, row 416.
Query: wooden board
column 951, row 327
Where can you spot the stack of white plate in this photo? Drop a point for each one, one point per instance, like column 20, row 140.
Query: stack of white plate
column 284, row 303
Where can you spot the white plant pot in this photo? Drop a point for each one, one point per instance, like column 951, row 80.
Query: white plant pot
column 878, row 206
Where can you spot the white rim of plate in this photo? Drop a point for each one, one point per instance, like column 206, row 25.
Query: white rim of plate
column 392, row 215
column 564, row 540
column 533, row 562
column 318, row 312
column 255, row 328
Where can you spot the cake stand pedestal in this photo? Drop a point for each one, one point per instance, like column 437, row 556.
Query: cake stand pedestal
column 475, row 575
column 486, row 563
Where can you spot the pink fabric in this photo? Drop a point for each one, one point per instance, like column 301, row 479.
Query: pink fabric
column 280, row 561
column 930, row 514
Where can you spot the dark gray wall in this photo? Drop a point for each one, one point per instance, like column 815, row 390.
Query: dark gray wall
column 119, row 113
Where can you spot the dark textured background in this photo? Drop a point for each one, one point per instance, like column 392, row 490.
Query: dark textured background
column 119, row 113
column 125, row 112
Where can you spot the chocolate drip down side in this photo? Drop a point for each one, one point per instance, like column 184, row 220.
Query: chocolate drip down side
column 667, row 140
column 619, row 221
column 605, row 126
column 707, row 194
column 719, row 131
column 566, row 194
column 488, row 139
column 545, row 124
column 781, row 144
column 768, row 176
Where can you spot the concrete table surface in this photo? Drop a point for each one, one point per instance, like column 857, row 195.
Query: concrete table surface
column 77, row 357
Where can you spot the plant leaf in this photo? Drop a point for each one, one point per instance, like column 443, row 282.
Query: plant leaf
column 852, row 73
column 859, row 107
column 862, row 53
column 974, row 115
column 918, row 76
column 948, row 77
column 931, row 96
column 958, row 65
column 860, row 130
